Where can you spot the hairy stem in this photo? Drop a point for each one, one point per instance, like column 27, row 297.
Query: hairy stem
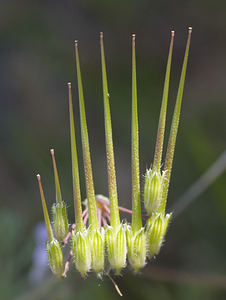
column 112, row 186
column 174, row 126
column 162, row 117
column 86, row 151
column 75, row 172
column 136, row 216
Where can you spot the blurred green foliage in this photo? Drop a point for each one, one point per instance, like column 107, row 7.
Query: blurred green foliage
column 36, row 62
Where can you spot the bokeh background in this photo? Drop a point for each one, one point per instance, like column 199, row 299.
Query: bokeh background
column 36, row 62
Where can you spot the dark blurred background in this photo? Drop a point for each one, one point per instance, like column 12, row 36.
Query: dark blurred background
column 36, row 62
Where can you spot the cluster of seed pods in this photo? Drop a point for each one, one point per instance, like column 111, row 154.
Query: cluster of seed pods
column 98, row 232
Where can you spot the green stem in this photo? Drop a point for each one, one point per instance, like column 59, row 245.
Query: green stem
column 136, row 216
column 174, row 126
column 45, row 211
column 86, row 151
column 57, row 183
column 112, row 186
column 162, row 117
column 75, row 172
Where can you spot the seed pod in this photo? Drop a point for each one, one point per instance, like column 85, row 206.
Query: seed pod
column 97, row 247
column 55, row 257
column 156, row 229
column 152, row 190
column 136, row 244
column 60, row 221
column 116, row 247
column 81, row 251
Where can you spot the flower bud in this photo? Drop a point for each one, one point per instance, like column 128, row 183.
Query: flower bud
column 81, row 251
column 55, row 257
column 97, row 247
column 152, row 190
column 136, row 244
column 156, row 229
column 60, row 221
column 116, row 247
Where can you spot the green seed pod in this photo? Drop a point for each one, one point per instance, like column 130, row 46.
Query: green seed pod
column 60, row 221
column 81, row 251
column 55, row 257
column 97, row 247
column 116, row 247
column 136, row 243
column 156, row 229
column 152, row 190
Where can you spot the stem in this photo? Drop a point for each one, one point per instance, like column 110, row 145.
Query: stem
column 66, row 269
column 75, row 172
column 86, row 151
column 45, row 211
column 57, row 183
column 162, row 117
column 174, row 126
column 136, row 216
column 115, row 285
column 65, row 240
column 104, row 221
column 112, row 186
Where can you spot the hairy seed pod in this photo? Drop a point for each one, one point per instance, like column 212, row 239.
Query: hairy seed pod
column 136, row 244
column 60, row 221
column 156, row 229
column 116, row 247
column 152, row 190
column 55, row 257
column 81, row 251
column 97, row 247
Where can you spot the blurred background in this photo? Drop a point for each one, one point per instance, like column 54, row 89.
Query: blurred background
column 36, row 62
